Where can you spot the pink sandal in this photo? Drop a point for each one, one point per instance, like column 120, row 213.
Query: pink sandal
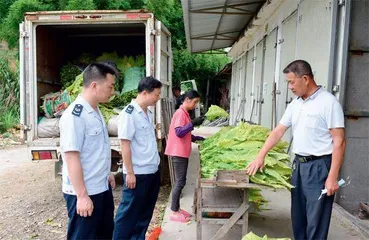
column 185, row 213
column 179, row 218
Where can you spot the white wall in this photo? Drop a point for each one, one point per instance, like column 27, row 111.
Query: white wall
column 292, row 30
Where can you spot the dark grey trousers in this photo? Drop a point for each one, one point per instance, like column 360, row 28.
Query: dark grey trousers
column 180, row 166
column 310, row 217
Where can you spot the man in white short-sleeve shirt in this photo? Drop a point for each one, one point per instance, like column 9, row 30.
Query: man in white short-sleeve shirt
column 317, row 122
column 85, row 148
column 141, row 174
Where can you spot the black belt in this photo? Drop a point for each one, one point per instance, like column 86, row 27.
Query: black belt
column 304, row 159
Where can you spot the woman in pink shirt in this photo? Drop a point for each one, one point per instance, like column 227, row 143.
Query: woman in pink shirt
column 179, row 148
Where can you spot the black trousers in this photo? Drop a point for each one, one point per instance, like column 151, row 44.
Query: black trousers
column 180, row 166
column 136, row 207
column 310, row 217
column 99, row 225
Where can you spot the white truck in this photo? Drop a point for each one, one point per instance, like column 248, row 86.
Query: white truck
column 50, row 39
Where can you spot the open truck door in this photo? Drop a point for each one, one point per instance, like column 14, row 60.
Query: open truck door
column 24, row 90
column 165, row 107
column 163, row 72
column 22, row 80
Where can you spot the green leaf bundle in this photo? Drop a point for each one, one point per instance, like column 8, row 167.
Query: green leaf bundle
column 233, row 148
column 216, row 112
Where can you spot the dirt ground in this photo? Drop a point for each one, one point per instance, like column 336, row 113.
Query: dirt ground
column 31, row 202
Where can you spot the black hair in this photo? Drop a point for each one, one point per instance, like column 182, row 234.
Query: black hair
column 191, row 94
column 98, row 72
column 299, row 68
column 148, row 84
column 114, row 65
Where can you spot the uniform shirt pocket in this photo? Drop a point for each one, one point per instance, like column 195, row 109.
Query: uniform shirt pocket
column 142, row 131
column 93, row 137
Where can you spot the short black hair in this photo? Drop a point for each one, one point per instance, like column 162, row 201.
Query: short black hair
column 114, row 65
column 148, row 84
column 97, row 72
column 191, row 94
column 299, row 68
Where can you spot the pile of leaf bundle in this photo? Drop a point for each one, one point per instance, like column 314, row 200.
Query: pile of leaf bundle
column 124, row 64
column 72, row 79
column 76, row 87
column 215, row 112
column 253, row 236
column 117, row 101
column 233, row 148
column 216, row 116
column 68, row 74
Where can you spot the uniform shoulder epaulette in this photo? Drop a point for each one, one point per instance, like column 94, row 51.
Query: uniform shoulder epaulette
column 129, row 109
column 77, row 110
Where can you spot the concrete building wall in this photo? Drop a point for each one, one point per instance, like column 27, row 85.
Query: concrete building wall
column 356, row 163
column 268, row 79
column 312, row 30
column 289, row 26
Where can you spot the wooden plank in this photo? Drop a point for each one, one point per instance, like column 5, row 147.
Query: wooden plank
column 167, row 113
column 195, row 193
column 219, row 221
column 239, row 176
column 199, row 214
column 221, row 206
column 207, row 181
column 231, row 221
column 245, row 217
column 229, row 198
column 226, row 192
column 164, row 116
column 226, row 182
column 219, row 209
column 194, row 203
column 216, row 200
column 211, row 184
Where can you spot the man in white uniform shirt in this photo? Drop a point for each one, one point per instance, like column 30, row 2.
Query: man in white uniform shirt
column 317, row 122
column 141, row 161
column 85, row 148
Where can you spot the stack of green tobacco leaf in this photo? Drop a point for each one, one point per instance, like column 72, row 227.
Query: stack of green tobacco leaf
column 233, row 148
column 124, row 64
column 76, row 87
column 215, row 112
column 117, row 101
column 132, row 69
column 253, row 236
column 68, row 74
